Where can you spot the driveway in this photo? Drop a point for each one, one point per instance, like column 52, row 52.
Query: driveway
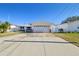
column 36, row 44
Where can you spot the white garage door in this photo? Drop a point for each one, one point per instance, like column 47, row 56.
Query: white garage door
column 41, row 29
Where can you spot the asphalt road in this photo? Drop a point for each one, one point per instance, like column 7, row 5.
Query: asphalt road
column 36, row 44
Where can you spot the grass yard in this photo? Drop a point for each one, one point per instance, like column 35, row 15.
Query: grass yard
column 71, row 37
column 8, row 34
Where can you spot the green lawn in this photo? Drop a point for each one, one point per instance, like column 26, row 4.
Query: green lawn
column 8, row 34
column 71, row 37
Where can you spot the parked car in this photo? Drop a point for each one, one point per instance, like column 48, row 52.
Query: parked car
column 29, row 30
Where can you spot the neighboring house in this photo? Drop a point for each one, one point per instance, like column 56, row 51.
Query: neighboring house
column 13, row 28
column 71, row 25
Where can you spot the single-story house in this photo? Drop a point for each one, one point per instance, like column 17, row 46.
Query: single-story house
column 13, row 28
column 71, row 25
column 37, row 27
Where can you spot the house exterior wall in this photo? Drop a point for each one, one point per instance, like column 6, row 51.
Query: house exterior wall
column 54, row 28
column 64, row 27
column 70, row 26
column 73, row 26
column 13, row 28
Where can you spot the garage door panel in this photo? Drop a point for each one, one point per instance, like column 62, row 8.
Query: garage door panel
column 40, row 29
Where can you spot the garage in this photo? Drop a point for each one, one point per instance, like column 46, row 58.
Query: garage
column 41, row 27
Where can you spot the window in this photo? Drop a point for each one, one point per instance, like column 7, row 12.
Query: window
column 61, row 30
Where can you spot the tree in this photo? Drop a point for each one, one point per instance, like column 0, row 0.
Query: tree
column 1, row 28
column 7, row 24
column 4, row 26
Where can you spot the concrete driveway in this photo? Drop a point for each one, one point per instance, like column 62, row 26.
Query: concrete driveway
column 36, row 44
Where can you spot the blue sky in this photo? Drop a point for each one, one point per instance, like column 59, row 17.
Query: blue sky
column 35, row 12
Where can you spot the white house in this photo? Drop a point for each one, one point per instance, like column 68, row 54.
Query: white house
column 38, row 27
column 13, row 28
column 70, row 26
column 73, row 26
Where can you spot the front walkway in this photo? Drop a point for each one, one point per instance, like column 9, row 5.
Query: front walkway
column 36, row 44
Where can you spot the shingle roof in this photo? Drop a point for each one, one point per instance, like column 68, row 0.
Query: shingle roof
column 41, row 24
